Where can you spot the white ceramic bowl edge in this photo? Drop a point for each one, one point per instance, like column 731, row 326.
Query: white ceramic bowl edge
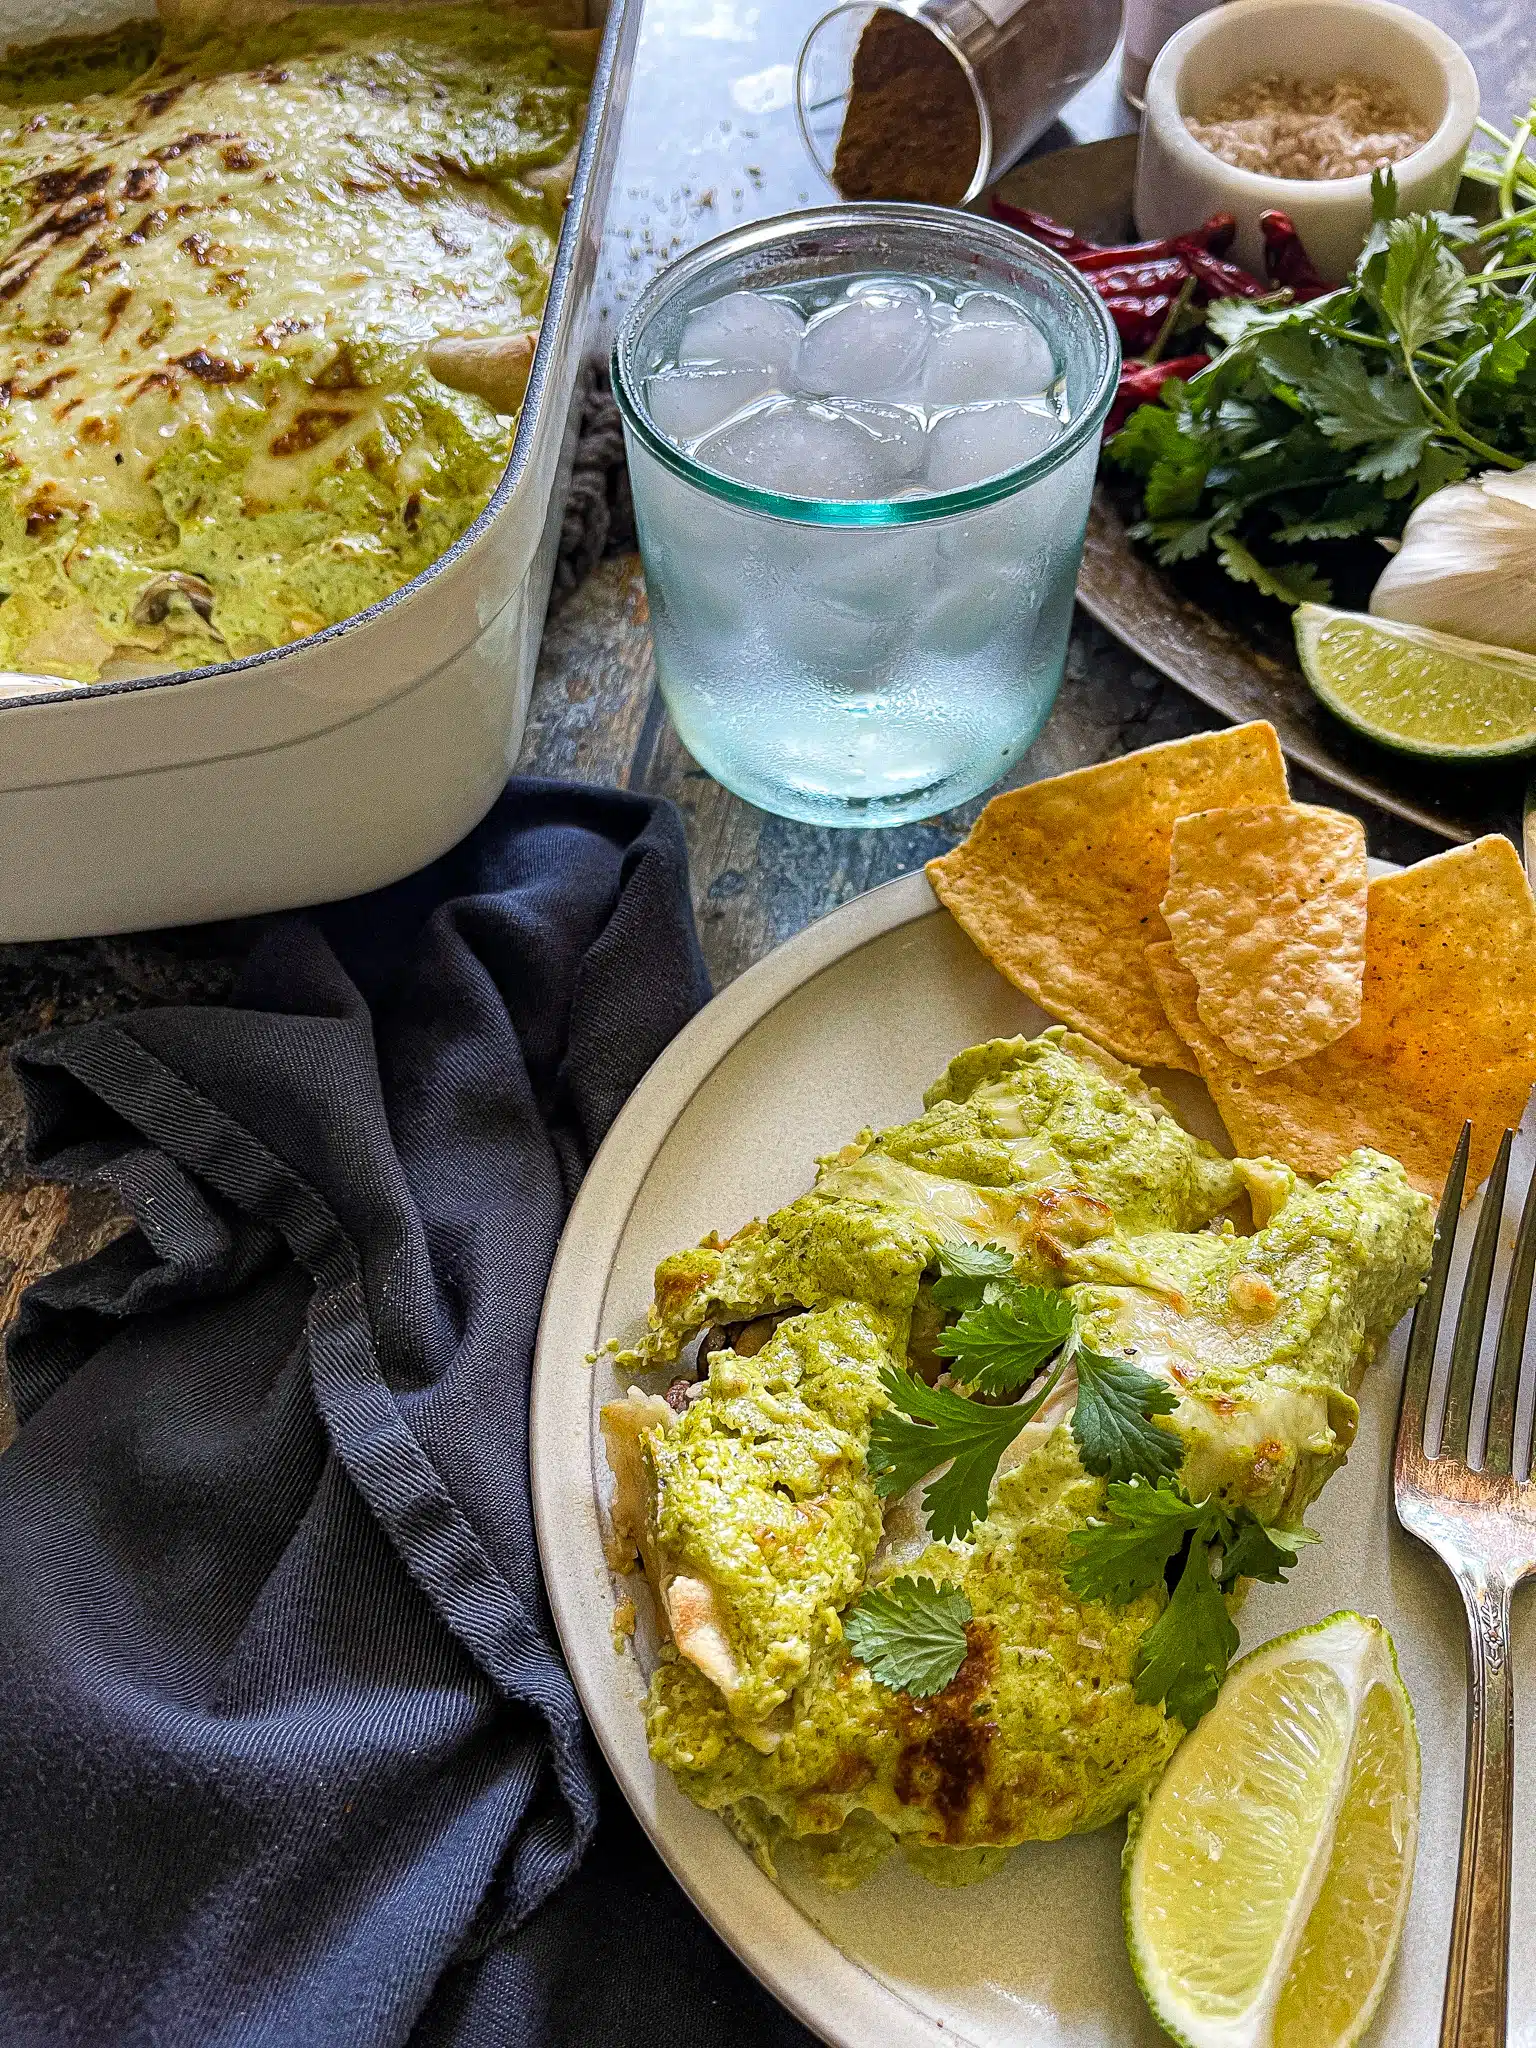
column 1180, row 183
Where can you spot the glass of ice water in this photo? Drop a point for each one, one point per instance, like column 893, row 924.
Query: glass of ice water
column 862, row 442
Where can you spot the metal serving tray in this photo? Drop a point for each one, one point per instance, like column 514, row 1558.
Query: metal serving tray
column 349, row 758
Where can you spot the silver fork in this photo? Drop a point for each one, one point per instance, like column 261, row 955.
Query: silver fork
column 1481, row 1524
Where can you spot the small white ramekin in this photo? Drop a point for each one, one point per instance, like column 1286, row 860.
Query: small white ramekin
column 1180, row 183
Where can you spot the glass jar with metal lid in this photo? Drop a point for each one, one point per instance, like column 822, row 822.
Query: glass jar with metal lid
column 930, row 100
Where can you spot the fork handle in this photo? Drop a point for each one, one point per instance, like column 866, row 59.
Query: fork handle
column 1477, row 1980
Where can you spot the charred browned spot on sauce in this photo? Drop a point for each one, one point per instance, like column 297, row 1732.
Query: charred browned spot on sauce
column 96, row 429
column 411, row 511
column 1222, row 1404
column 203, row 249
column 42, row 512
column 62, row 412
column 276, row 331
column 157, row 380
column 59, row 337
column 244, row 156
column 78, row 217
column 161, row 321
column 340, row 373
column 943, row 1762
column 198, row 138
column 53, row 188
column 310, row 427
column 849, row 1774
column 156, row 103
column 15, row 281
column 210, row 369
column 48, row 385
column 153, row 223
column 117, row 305
column 273, row 75
column 143, row 181
column 91, row 258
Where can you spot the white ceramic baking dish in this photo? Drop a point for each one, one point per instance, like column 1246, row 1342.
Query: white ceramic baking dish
column 344, row 760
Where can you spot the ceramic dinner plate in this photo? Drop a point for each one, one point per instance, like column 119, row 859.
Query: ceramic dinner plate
column 844, row 1026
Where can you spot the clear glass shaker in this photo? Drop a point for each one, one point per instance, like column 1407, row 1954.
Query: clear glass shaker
column 1148, row 25
column 930, row 100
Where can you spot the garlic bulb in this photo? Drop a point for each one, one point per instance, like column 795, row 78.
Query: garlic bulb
column 1467, row 564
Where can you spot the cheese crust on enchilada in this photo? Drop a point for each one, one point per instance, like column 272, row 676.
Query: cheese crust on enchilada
column 268, row 296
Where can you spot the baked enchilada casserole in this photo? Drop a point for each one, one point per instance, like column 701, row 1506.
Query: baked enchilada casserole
column 270, row 281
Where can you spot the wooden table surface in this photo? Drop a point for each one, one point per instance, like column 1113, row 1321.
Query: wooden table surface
column 709, row 140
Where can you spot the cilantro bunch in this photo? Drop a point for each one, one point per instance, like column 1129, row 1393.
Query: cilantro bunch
column 1330, row 421
column 1009, row 1338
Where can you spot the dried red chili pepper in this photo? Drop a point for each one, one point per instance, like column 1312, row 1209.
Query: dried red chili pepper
column 1221, row 280
column 1138, row 317
column 1157, row 274
column 1140, row 383
column 1042, row 228
column 1286, row 261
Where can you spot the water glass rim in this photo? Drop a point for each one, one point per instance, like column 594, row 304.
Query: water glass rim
column 977, row 233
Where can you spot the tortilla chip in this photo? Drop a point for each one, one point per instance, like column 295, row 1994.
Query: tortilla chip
column 1266, row 909
column 1059, row 883
column 1447, row 1030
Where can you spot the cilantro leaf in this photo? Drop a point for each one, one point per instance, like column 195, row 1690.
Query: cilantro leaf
column 1176, row 540
column 1002, row 1344
column 1425, row 292
column 1185, row 1653
column 911, row 1634
column 1117, row 1559
column 965, row 1272
column 1112, row 1423
column 1153, row 434
column 1383, row 414
column 1292, row 583
column 1255, row 1552
column 926, row 1425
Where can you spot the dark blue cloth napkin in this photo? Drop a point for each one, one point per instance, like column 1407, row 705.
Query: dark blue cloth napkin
column 287, row 1752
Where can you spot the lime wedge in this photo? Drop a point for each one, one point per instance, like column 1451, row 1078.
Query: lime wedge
column 1267, row 1877
column 1419, row 691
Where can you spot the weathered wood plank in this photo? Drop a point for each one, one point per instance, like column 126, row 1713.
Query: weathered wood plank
column 595, row 680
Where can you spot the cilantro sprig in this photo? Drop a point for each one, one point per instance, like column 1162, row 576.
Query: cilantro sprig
column 1329, row 421
column 1184, row 1655
column 1007, row 1335
column 911, row 1634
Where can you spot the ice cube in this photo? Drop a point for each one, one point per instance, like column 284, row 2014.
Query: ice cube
column 695, row 398
column 895, row 437
column 975, row 607
column 979, row 441
column 978, row 359
column 871, row 346
column 743, row 330
column 882, row 571
column 798, row 450
column 837, row 643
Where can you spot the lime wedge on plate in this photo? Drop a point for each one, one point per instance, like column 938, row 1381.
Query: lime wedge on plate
column 1416, row 690
column 1267, row 1877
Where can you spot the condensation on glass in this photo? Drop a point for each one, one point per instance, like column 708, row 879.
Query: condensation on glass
column 930, row 100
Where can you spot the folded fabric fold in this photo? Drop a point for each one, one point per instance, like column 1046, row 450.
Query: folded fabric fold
column 284, row 1733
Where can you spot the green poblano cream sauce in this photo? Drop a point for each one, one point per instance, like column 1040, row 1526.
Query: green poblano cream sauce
column 759, row 1503
column 222, row 261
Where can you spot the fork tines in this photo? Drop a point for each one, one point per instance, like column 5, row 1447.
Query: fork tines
column 1466, row 1345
